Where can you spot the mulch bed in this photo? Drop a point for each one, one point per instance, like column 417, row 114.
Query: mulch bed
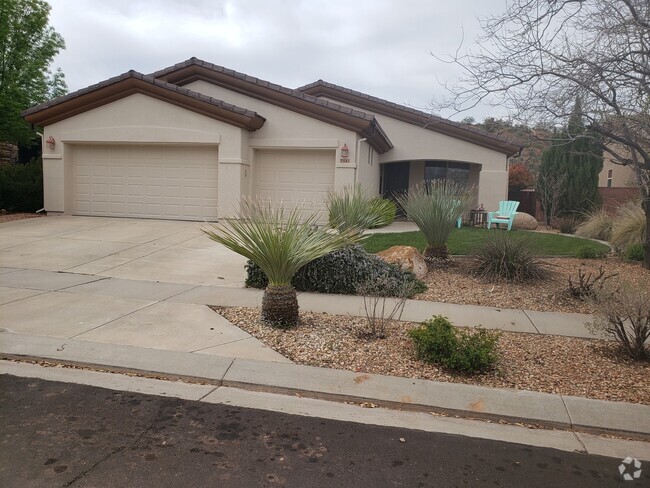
column 8, row 217
column 551, row 364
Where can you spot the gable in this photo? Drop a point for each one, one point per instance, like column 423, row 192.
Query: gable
column 132, row 83
column 194, row 70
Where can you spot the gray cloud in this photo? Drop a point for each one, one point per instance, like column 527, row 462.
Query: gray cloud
column 381, row 47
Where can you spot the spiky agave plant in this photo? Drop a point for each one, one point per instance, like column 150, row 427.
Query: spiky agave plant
column 435, row 206
column 280, row 242
column 355, row 208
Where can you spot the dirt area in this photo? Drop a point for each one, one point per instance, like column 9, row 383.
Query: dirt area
column 551, row 364
column 457, row 285
column 8, row 217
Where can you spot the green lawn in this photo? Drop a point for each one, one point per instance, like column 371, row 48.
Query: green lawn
column 465, row 239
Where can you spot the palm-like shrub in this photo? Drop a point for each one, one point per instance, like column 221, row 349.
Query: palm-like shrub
column 357, row 209
column 385, row 209
column 280, row 242
column 630, row 226
column 435, row 207
column 596, row 225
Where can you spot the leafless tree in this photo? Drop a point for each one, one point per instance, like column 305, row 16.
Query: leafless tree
column 550, row 188
column 539, row 56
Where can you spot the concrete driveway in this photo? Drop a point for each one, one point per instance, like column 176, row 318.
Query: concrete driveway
column 122, row 281
column 136, row 249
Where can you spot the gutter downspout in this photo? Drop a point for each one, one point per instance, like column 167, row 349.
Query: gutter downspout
column 356, row 159
column 42, row 136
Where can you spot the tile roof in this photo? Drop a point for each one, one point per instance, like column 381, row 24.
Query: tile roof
column 411, row 115
column 188, row 71
column 31, row 114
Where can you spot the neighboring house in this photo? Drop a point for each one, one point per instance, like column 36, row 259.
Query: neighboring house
column 616, row 184
column 616, row 175
column 189, row 141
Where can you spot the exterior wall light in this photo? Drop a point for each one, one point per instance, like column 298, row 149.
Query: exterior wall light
column 50, row 142
column 345, row 152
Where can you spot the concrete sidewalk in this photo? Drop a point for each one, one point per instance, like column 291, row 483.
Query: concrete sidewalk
column 578, row 414
column 97, row 302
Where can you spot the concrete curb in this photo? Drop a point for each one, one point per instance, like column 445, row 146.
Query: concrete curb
column 549, row 410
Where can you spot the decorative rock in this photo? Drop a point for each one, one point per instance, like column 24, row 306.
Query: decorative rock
column 524, row 221
column 407, row 258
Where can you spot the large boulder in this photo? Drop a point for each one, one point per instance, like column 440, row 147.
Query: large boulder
column 524, row 221
column 407, row 258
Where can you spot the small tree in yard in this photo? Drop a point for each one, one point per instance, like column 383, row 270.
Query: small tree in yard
column 280, row 242
column 550, row 188
column 575, row 154
column 28, row 44
column 539, row 56
column 520, row 177
column 383, row 303
column 435, row 207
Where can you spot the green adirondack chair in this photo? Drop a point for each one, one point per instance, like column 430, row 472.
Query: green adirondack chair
column 505, row 215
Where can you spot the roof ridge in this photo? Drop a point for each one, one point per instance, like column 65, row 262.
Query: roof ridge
column 407, row 109
column 148, row 79
column 266, row 84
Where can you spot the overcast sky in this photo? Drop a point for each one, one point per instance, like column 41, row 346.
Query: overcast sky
column 380, row 47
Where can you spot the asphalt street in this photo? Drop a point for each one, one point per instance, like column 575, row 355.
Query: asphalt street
column 60, row 434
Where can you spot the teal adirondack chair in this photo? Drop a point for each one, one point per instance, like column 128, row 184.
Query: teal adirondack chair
column 505, row 215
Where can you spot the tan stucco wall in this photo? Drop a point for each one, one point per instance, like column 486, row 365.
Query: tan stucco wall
column 622, row 176
column 287, row 129
column 368, row 169
column 137, row 119
column 414, row 143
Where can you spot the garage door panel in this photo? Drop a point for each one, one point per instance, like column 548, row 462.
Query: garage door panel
column 169, row 182
column 295, row 178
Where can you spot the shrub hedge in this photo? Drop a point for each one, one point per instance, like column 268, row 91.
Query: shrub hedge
column 341, row 272
column 21, row 186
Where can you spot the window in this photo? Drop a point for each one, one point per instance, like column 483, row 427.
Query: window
column 609, row 173
column 609, row 182
column 457, row 172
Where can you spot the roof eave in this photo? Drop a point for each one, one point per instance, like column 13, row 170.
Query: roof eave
column 437, row 124
column 133, row 83
column 195, row 70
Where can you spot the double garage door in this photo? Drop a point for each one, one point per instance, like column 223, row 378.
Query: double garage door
column 180, row 182
column 145, row 181
column 294, row 178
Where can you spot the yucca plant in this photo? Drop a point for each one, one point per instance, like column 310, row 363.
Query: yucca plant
column 597, row 224
column 435, row 206
column 356, row 209
column 630, row 226
column 280, row 242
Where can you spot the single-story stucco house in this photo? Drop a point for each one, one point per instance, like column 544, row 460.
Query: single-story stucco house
column 189, row 141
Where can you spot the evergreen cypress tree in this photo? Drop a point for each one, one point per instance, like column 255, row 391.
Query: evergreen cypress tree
column 575, row 152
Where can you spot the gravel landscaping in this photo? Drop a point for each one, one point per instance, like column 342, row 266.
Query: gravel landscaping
column 456, row 284
column 551, row 364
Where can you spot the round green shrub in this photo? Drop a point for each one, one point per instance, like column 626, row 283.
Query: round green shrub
column 635, row 252
column 342, row 272
column 588, row 252
column 468, row 351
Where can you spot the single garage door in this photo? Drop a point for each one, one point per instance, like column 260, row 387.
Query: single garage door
column 146, row 181
column 295, row 178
